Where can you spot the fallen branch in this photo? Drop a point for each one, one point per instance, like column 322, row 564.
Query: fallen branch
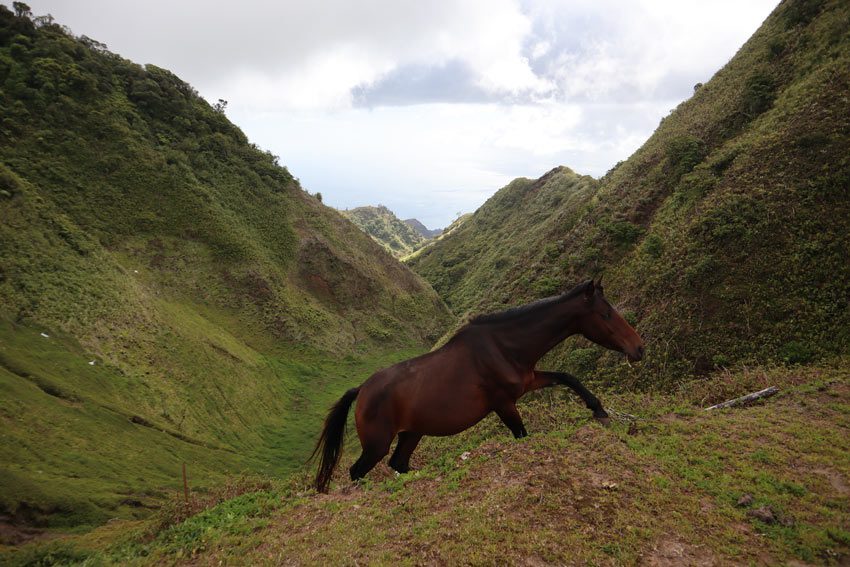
column 767, row 392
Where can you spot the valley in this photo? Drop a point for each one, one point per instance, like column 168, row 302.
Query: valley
column 170, row 296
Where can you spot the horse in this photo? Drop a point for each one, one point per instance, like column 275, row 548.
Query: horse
column 486, row 366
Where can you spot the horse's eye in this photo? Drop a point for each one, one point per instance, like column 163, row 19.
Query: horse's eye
column 607, row 315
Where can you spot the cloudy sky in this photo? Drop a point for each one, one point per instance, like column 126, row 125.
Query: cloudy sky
column 428, row 107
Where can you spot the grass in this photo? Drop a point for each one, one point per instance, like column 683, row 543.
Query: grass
column 79, row 447
column 661, row 485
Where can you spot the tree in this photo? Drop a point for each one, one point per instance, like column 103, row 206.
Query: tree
column 22, row 10
column 220, row 106
column 319, row 196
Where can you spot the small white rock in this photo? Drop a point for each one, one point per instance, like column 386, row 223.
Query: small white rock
column 135, row 271
column 45, row 335
column 464, row 456
column 91, row 362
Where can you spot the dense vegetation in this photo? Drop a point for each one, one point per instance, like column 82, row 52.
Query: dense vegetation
column 724, row 237
column 474, row 256
column 398, row 237
column 168, row 292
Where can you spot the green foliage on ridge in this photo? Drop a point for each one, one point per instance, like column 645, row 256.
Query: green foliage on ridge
column 168, row 292
column 476, row 255
column 724, row 237
column 395, row 235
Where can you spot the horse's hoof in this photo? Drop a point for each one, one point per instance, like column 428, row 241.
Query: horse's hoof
column 604, row 420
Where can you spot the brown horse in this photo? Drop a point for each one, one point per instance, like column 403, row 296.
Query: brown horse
column 487, row 366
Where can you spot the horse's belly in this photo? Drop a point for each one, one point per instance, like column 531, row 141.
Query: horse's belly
column 447, row 414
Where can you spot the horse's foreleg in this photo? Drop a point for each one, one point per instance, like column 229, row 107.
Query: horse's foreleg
column 511, row 418
column 544, row 378
column 407, row 442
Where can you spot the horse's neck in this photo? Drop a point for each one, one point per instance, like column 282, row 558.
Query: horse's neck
column 536, row 333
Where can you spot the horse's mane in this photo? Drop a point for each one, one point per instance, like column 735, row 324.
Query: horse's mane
column 517, row 312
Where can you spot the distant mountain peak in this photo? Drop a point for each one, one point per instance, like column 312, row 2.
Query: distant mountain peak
column 399, row 238
column 419, row 227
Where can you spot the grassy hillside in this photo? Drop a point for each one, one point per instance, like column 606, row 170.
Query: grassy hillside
column 724, row 237
column 168, row 293
column 396, row 236
column 444, row 233
column 475, row 256
column 663, row 486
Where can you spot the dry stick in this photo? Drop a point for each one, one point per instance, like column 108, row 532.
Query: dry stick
column 746, row 399
column 185, row 485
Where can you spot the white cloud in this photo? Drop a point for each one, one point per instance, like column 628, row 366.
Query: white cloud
column 520, row 85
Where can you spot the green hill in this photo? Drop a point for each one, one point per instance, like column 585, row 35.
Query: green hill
column 453, row 226
column 724, row 237
column 396, row 236
column 475, row 255
column 168, row 292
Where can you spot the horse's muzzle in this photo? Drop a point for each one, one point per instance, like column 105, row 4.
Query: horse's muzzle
column 636, row 354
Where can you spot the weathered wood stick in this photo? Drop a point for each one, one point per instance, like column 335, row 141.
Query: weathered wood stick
column 767, row 392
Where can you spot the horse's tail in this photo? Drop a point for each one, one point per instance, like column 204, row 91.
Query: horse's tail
column 330, row 441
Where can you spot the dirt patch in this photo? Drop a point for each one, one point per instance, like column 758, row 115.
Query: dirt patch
column 838, row 483
column 13, row 535
column 318, row 285
column 672, row 552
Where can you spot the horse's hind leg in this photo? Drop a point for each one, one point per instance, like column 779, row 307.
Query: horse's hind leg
column 375, row 448
column 407, row 442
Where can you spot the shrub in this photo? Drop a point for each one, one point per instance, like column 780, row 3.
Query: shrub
column 653, row 246
column 552, row 250
column 547, row 286
column 684, row 153
column 703, row 273
column 776, row 48
column 801, row 12
column 582, row 361
column 759, row 92
column 694, row 186
column 9, row 186
column 622, row 233
column 795, row 352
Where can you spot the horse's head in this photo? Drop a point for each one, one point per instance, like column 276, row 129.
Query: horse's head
column 603, row 325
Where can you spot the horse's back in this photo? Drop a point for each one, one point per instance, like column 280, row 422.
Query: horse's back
column 438, row 393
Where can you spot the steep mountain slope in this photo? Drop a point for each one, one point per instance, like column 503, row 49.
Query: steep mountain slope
column 168, row 293
column 426, row 232
column 724, row 237
column 397, row 237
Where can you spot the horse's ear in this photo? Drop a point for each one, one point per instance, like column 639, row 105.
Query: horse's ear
column 589, row 290
column 599, row 284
